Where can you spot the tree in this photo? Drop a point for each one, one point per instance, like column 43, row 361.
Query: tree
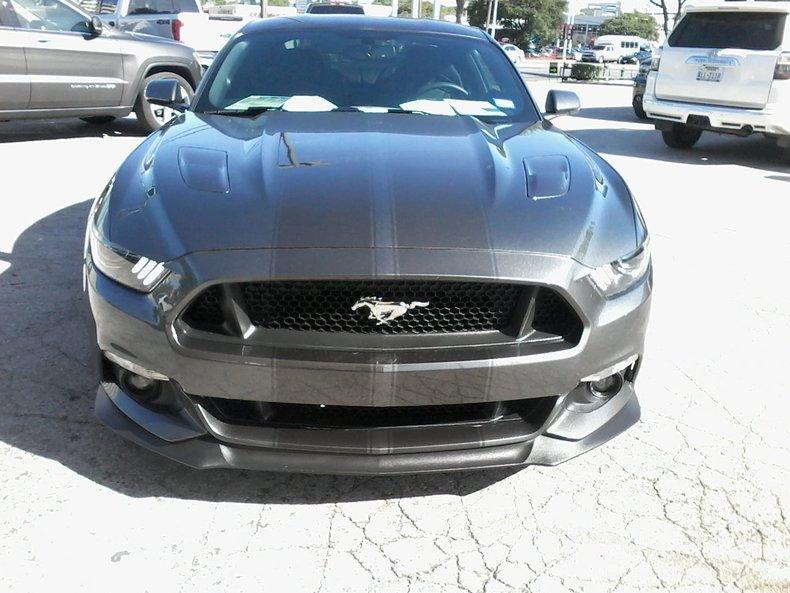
column 459, row 10
column 426, row 9
column 641, row 25
column 669, row 15
column 524, row 19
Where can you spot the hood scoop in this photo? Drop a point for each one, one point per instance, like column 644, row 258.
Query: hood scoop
column 547, row 176
column 204, row 169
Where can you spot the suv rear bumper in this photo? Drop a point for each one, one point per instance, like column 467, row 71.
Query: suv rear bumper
column 733, row 120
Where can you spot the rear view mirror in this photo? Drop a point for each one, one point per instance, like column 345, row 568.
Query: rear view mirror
column 562, row 103
column 167, row 93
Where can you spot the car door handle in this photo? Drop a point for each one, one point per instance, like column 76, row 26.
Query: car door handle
column 43, row 40
column 162, row 22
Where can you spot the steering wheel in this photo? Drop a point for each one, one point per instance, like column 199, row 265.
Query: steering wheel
column 449, row 88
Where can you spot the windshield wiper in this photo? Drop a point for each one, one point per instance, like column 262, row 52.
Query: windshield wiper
column 402, row 110
column 248, row 112
column 376, row 109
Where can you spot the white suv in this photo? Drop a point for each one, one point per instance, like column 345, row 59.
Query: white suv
column 725, row 68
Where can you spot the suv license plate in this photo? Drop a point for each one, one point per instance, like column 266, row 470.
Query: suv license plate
column 709, row 74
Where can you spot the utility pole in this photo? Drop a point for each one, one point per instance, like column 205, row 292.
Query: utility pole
column 394, row 11
column 437, row 10
column 567, row 31
column 264, row 8
column 415, row 9
column 489, row 4
column 494, row 19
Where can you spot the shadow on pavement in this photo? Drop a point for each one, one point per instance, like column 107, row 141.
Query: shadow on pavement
column 619, row 113
column 47, row 389
column 54, row 129
column 755, row 152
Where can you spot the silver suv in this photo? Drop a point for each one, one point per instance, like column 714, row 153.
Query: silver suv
column 57, row 61
column 725, row 68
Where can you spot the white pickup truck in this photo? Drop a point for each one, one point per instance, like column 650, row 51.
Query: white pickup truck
column 182, row 20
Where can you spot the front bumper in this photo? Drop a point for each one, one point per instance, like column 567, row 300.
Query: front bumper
column 142, row 328
column 194, row 446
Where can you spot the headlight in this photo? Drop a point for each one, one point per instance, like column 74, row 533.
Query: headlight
column 622, row 274
column 135, row 271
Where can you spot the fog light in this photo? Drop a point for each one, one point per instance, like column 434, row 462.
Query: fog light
column 606, row 387
column 140, row 388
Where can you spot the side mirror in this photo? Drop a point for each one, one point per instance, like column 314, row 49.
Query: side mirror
column 95, row 26
column 167, row 93
column 562, row 103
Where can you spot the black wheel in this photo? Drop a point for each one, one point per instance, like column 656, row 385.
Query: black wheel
column 98, row 120
column 153, row 117
column 638, row 109
column 681, row 136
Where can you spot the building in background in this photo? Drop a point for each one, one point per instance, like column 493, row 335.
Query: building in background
column 607, row 10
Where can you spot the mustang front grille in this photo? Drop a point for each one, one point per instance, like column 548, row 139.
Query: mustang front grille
column 385, row 307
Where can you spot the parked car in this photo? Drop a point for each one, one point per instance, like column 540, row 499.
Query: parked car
column 643, row 55
column 640, row 82
column 725, row 68
column 58, row 61
column 471, row 292
column 610, row 48
column 515, row 54
column 180, row 20
column 334, row 8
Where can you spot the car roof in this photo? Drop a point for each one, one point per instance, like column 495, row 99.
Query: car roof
column 371, row 23
column 746, row 5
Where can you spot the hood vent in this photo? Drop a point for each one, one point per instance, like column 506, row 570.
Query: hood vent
column 204, row 169
column 547, row 176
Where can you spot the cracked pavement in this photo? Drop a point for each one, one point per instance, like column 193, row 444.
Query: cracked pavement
column 693, row 498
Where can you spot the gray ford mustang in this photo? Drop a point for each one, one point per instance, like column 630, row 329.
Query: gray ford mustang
column 363, row 250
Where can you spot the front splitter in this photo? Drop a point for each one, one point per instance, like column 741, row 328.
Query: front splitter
column 205, row 452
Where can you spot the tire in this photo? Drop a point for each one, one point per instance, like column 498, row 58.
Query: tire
column 638, row 109
column 98, row 120
column 153, row 117
column 681, row 136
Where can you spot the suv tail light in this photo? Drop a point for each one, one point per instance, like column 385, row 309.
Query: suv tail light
column 175, row 27
column 655, row 61
column 782, row 71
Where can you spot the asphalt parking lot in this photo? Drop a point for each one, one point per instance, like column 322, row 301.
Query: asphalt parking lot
column 694, row 498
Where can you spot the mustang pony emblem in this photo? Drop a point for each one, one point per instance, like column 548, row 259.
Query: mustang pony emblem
column 384, row 311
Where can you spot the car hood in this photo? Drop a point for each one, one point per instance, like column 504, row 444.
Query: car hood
column 361, row 180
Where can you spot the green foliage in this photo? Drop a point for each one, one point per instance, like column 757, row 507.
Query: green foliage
column 641, row 25
column 582, row 71
column 523, row 19
column 426, row 9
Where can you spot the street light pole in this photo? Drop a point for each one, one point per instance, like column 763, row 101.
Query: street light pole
column 394, row 11
column 264, row 8
column 437, row 10
column 415, row 9
column 494, row 18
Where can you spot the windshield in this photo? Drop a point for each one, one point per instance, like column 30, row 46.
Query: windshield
column 736, row 30
column 357, row 70
column 600, row 47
